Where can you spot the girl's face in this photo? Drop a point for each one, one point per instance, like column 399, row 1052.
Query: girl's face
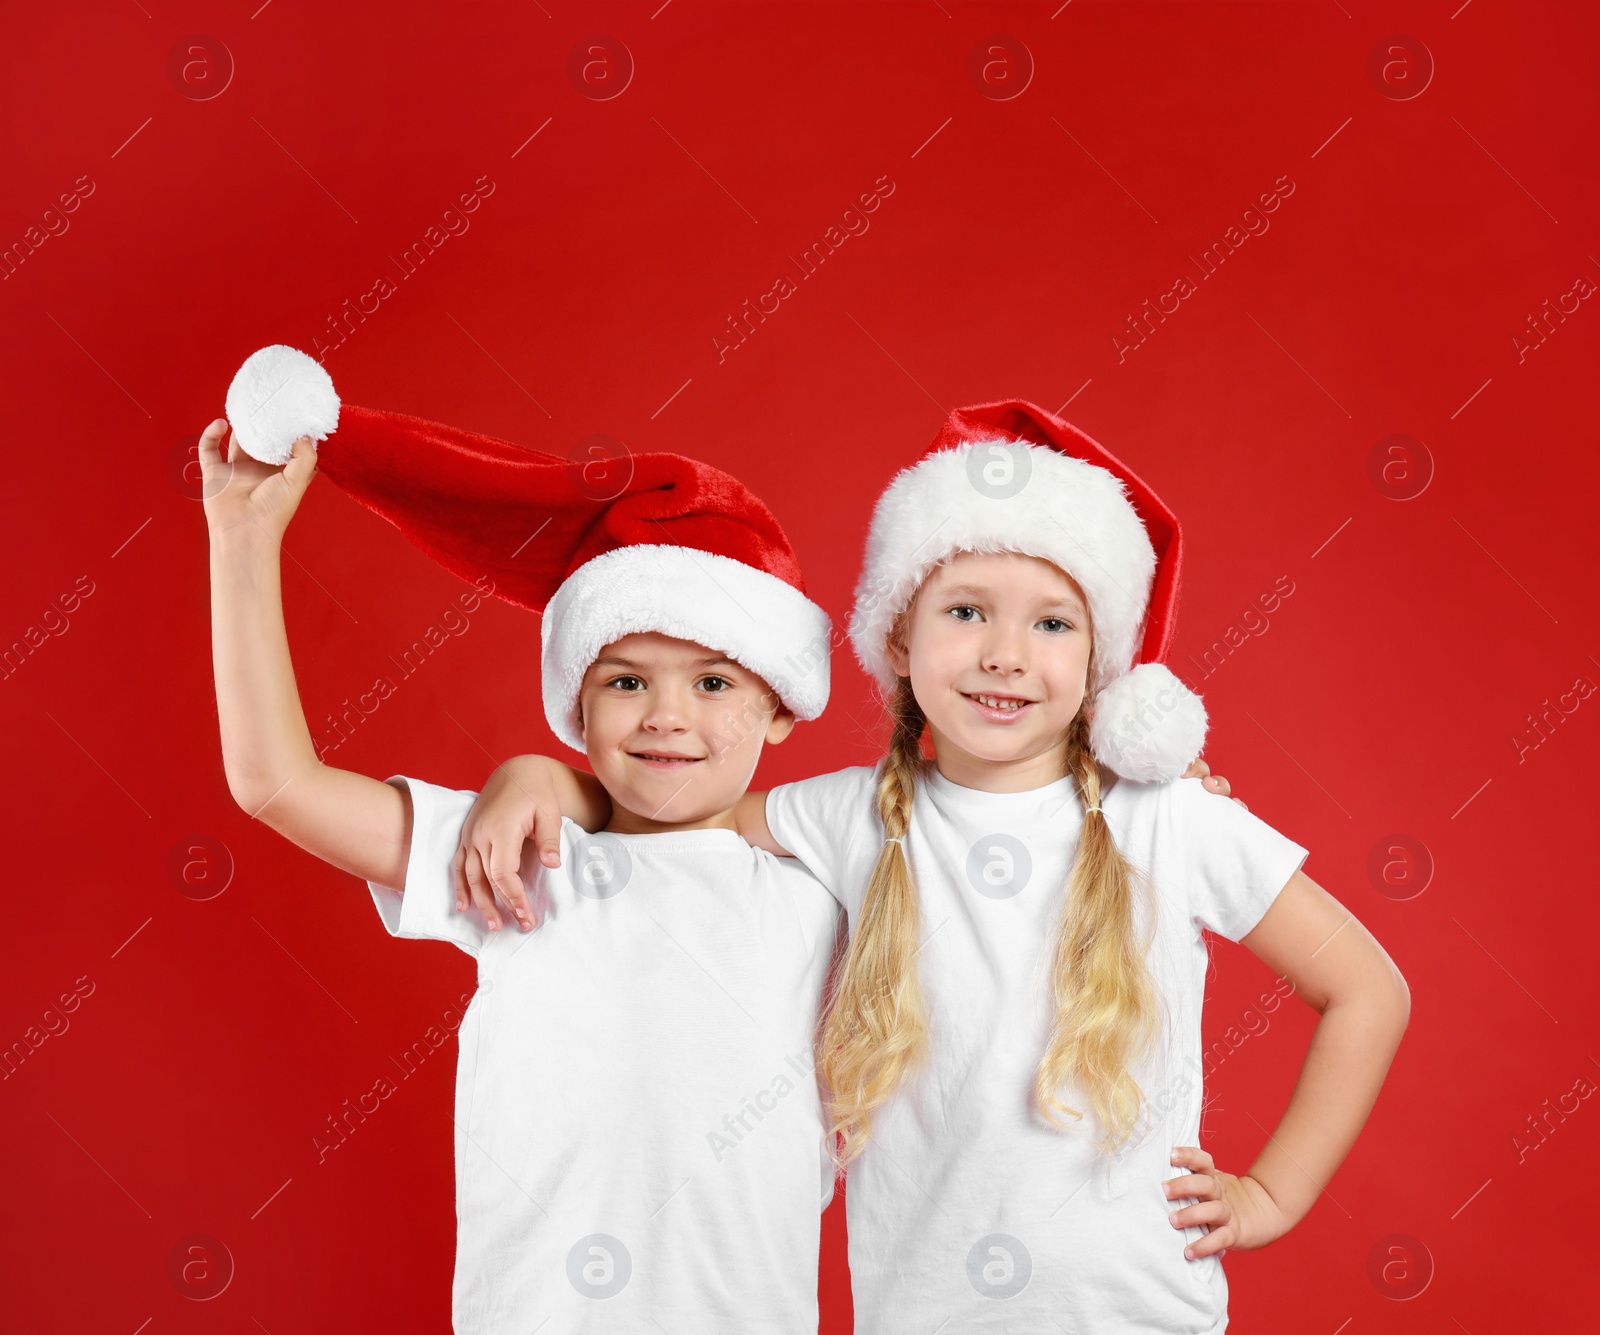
column 673, row 731
column 997, row 649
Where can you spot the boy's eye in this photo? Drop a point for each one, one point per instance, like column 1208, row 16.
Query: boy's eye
column 626, row 682
column 714, row 684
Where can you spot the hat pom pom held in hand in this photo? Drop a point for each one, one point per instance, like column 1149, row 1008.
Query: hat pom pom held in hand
column 1147, row 726
column 277, row 396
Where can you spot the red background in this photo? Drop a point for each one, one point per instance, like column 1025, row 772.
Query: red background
column 1384, row 696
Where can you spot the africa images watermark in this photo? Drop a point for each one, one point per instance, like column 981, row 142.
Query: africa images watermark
column 742, row 323
column 55, row 223
column 345, row 321
column 341, row 1125
column 451, row 623
column 52, row 622
column 1143, row 323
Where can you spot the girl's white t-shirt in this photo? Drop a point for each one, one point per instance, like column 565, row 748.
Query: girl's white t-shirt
column 638, row 1126
column 966, row 1211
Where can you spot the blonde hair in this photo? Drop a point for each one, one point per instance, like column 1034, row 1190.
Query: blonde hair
column 1105, row 1001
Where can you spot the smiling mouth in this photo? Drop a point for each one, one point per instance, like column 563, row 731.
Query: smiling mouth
column 665, row 760
column 999, row 708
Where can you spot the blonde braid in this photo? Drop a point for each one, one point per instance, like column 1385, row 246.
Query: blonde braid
column 1106, row 1001
column 875, row 1031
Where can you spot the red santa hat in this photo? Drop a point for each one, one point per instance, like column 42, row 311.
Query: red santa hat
column 680, row 548
column 1011, row 477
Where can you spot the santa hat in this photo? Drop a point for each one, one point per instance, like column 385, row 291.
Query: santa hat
column 1011, row 477
column 678, row 547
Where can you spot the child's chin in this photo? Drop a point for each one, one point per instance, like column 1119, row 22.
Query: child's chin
column 669, row 798
column 996, row 744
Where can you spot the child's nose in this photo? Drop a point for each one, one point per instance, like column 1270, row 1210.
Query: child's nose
column 668, row 712
column 1005, row 650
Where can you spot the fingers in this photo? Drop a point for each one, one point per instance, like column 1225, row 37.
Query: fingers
column 1214, row 1243
column 1193, row 1158
column 507, row 881
column 1214, row 783
column 1206, row 1212
column 211, row 441
column 1200, row 1185
column 300, row 469
column 547, row 834
column 459, row 877
column 482, row 895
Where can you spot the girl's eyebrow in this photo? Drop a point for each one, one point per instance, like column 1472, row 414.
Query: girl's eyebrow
column 1064, row 600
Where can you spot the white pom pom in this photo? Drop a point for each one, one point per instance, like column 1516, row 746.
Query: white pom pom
column 277, row 396
column 1147, row 725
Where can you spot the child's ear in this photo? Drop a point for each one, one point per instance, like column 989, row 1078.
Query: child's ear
column 780, row 725
column 898, row 655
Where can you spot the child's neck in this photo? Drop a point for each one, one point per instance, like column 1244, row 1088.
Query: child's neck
column 624, row 821
column 1018, row 775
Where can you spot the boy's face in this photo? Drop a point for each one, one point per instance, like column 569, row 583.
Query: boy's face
column 673, row 731
column 997, row 649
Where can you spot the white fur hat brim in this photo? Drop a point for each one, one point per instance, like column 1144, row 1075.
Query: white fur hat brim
column 1003, row 495
column 1007, row 496
column 755, row 618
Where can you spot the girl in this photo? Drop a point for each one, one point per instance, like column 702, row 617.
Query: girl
column 1013, row 1043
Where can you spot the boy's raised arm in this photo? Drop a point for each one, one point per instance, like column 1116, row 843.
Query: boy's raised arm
column 357, row 823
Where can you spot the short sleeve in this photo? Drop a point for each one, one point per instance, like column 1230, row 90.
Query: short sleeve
column 1236, row 862
column 825, row 822
column 426, row 910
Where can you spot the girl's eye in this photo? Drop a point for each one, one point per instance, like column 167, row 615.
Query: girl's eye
column 1056, row 625
column 960, row 608
column 715, row 685
column 626, row 683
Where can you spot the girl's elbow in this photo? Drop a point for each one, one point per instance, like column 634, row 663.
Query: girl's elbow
column 1405, row 998
column 1393, row 1000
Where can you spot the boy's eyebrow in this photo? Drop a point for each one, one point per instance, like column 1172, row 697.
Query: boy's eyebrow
column 612, row 660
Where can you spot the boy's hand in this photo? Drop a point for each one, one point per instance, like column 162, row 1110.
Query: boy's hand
column 1213, row 782
column 1237, row 1210
column 518, row 803
column 240, row 492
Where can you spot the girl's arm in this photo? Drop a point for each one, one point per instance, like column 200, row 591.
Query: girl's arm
column 525, row 799
column 1338, row 967
column 358, row 824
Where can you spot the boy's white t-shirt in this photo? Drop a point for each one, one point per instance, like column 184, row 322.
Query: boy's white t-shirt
column 965, row 1211
column 638, row 1128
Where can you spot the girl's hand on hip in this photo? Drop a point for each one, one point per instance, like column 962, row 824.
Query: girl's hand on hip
column 1237, row 1210
column 245, row 496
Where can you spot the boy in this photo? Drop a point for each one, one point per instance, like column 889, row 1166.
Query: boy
column 639, row 1134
